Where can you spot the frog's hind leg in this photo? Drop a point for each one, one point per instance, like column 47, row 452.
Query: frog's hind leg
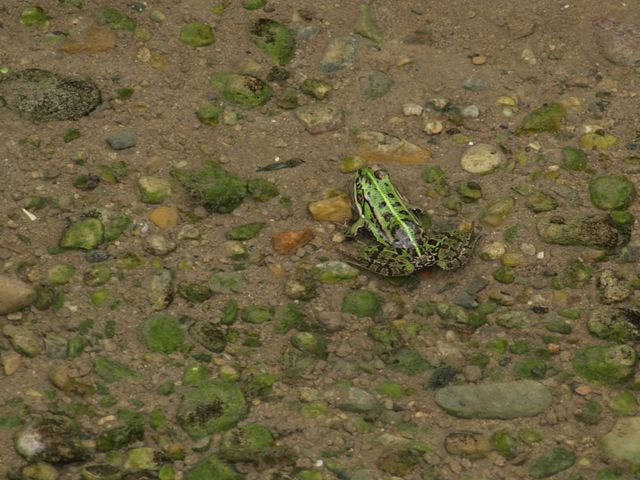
column 456, row 248
column 386, row 261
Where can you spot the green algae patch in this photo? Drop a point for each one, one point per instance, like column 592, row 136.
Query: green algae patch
column 211, row 407
column 545, row 119
column 612, row 192
column 115, row 20
column 242, row 89
column 84, row 234
column 197, row 34
column 161, row 333
column 361, row 303
column 275, row 39
column 210, row 468
column 112, row 371
column 219, row 190
column 605, row 364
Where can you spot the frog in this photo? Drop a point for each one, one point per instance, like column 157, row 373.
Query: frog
column 402, row 245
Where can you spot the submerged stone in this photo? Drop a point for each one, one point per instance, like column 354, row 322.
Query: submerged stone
column 621, row 325
column 361, row 303
column 594, row 231
column 221, row 191
column 545, row 119
column 381, row 147
column 367, row 25
column 496, row 212
column 245, row 443
column 212, row 468
column 14, row 294
column 44, row 96
column 340, row 52
column 274, row 38
column 54, row 439
column 197, row 34
column 612, row 192
column 507, row 400
column 622, row 444
column 320, row 117
column 605, row 364
column 242, row 89
column 84, row 234
column 211, row 407
column 552, row 462
column 161, row 333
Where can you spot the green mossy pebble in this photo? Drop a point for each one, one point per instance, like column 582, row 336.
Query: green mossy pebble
column 219, row 190
column 197, row 34
column 242, row 89
column 116, row 225
column 612, row 192
column 194, row 292
column 340, row 52
column 211, row 407
column 391, row 389
column 245, row 232
column 111, row 371
column 624, row 403
column 161, row 333
column 245, row 443
column 114, row 19
column 614, row 324
column 39, row 471
column 34, row 16
column 470, row 191
column 100, row 471
column 530, row 367
column 117, row 437
column 153, row 190
column 71, row 135
column 545, row 119
column 605, row 364
column 378, row 86
column 210, row 114
column 367, row 25
column 75, row 346
column 576, row 274
column 334, row 271
column 256, row 314
column 593, row 231
column 253, row 4
column 407, row 361
column 228, row 282
column 504, row 443
column 597, row 140
column 505, row 274
column 540, row 201
column 84, row 234
column 195, row 375
column 574, row 159
column 212, row 467
column 262, row 190
column 274, row 38
column 496, row 212
column 529, row 436
column 210, row 335
column 142, row 458
column 552, row 462
column 559, row 326
column 318, row 89
column 361, row 303
column 60, row 274
column 310, row 342
column 287, row 317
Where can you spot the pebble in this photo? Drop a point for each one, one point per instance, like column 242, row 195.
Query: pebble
column 479, row 59
column 412, row 109
column 11, row 361
column 433, row 127
column 622, row 444
column 340, row 52
column 474, row 84
column 165, row 216
column 505, row 400
column 471, row 111
column 122, row 139
column 381, row 147
column 159, row 245
column 14, row 294
column 482, row 158
column 320, row 117
column 618, row 42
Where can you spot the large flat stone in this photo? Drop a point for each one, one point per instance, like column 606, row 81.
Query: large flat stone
column 505, row 400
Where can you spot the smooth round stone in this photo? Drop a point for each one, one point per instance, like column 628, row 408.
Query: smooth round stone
column 622, row 444
column 159, row 245
column 482, row 158
column 504, row 400
column 411, row 109
column 122, row 139
column 14, row 294
column 471, row 111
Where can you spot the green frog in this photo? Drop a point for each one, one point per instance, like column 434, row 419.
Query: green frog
column 402, row 246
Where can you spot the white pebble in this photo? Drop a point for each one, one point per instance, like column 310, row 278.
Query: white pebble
column 412, row 109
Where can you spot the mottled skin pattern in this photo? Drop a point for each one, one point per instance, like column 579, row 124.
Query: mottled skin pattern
column 402, row 246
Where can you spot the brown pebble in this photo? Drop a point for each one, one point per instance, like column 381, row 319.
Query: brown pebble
column 583, row 390
column 96, row 39
column 289, row 241
column 479, row 59
column 165, row 216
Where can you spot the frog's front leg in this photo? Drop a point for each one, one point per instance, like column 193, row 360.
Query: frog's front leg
column 353, row 229
column 386, row 261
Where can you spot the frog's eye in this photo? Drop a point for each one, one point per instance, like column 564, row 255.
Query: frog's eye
column 380, row 174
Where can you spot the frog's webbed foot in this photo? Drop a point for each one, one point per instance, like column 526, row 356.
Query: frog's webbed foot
column 456, row 248
column 386, row 261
